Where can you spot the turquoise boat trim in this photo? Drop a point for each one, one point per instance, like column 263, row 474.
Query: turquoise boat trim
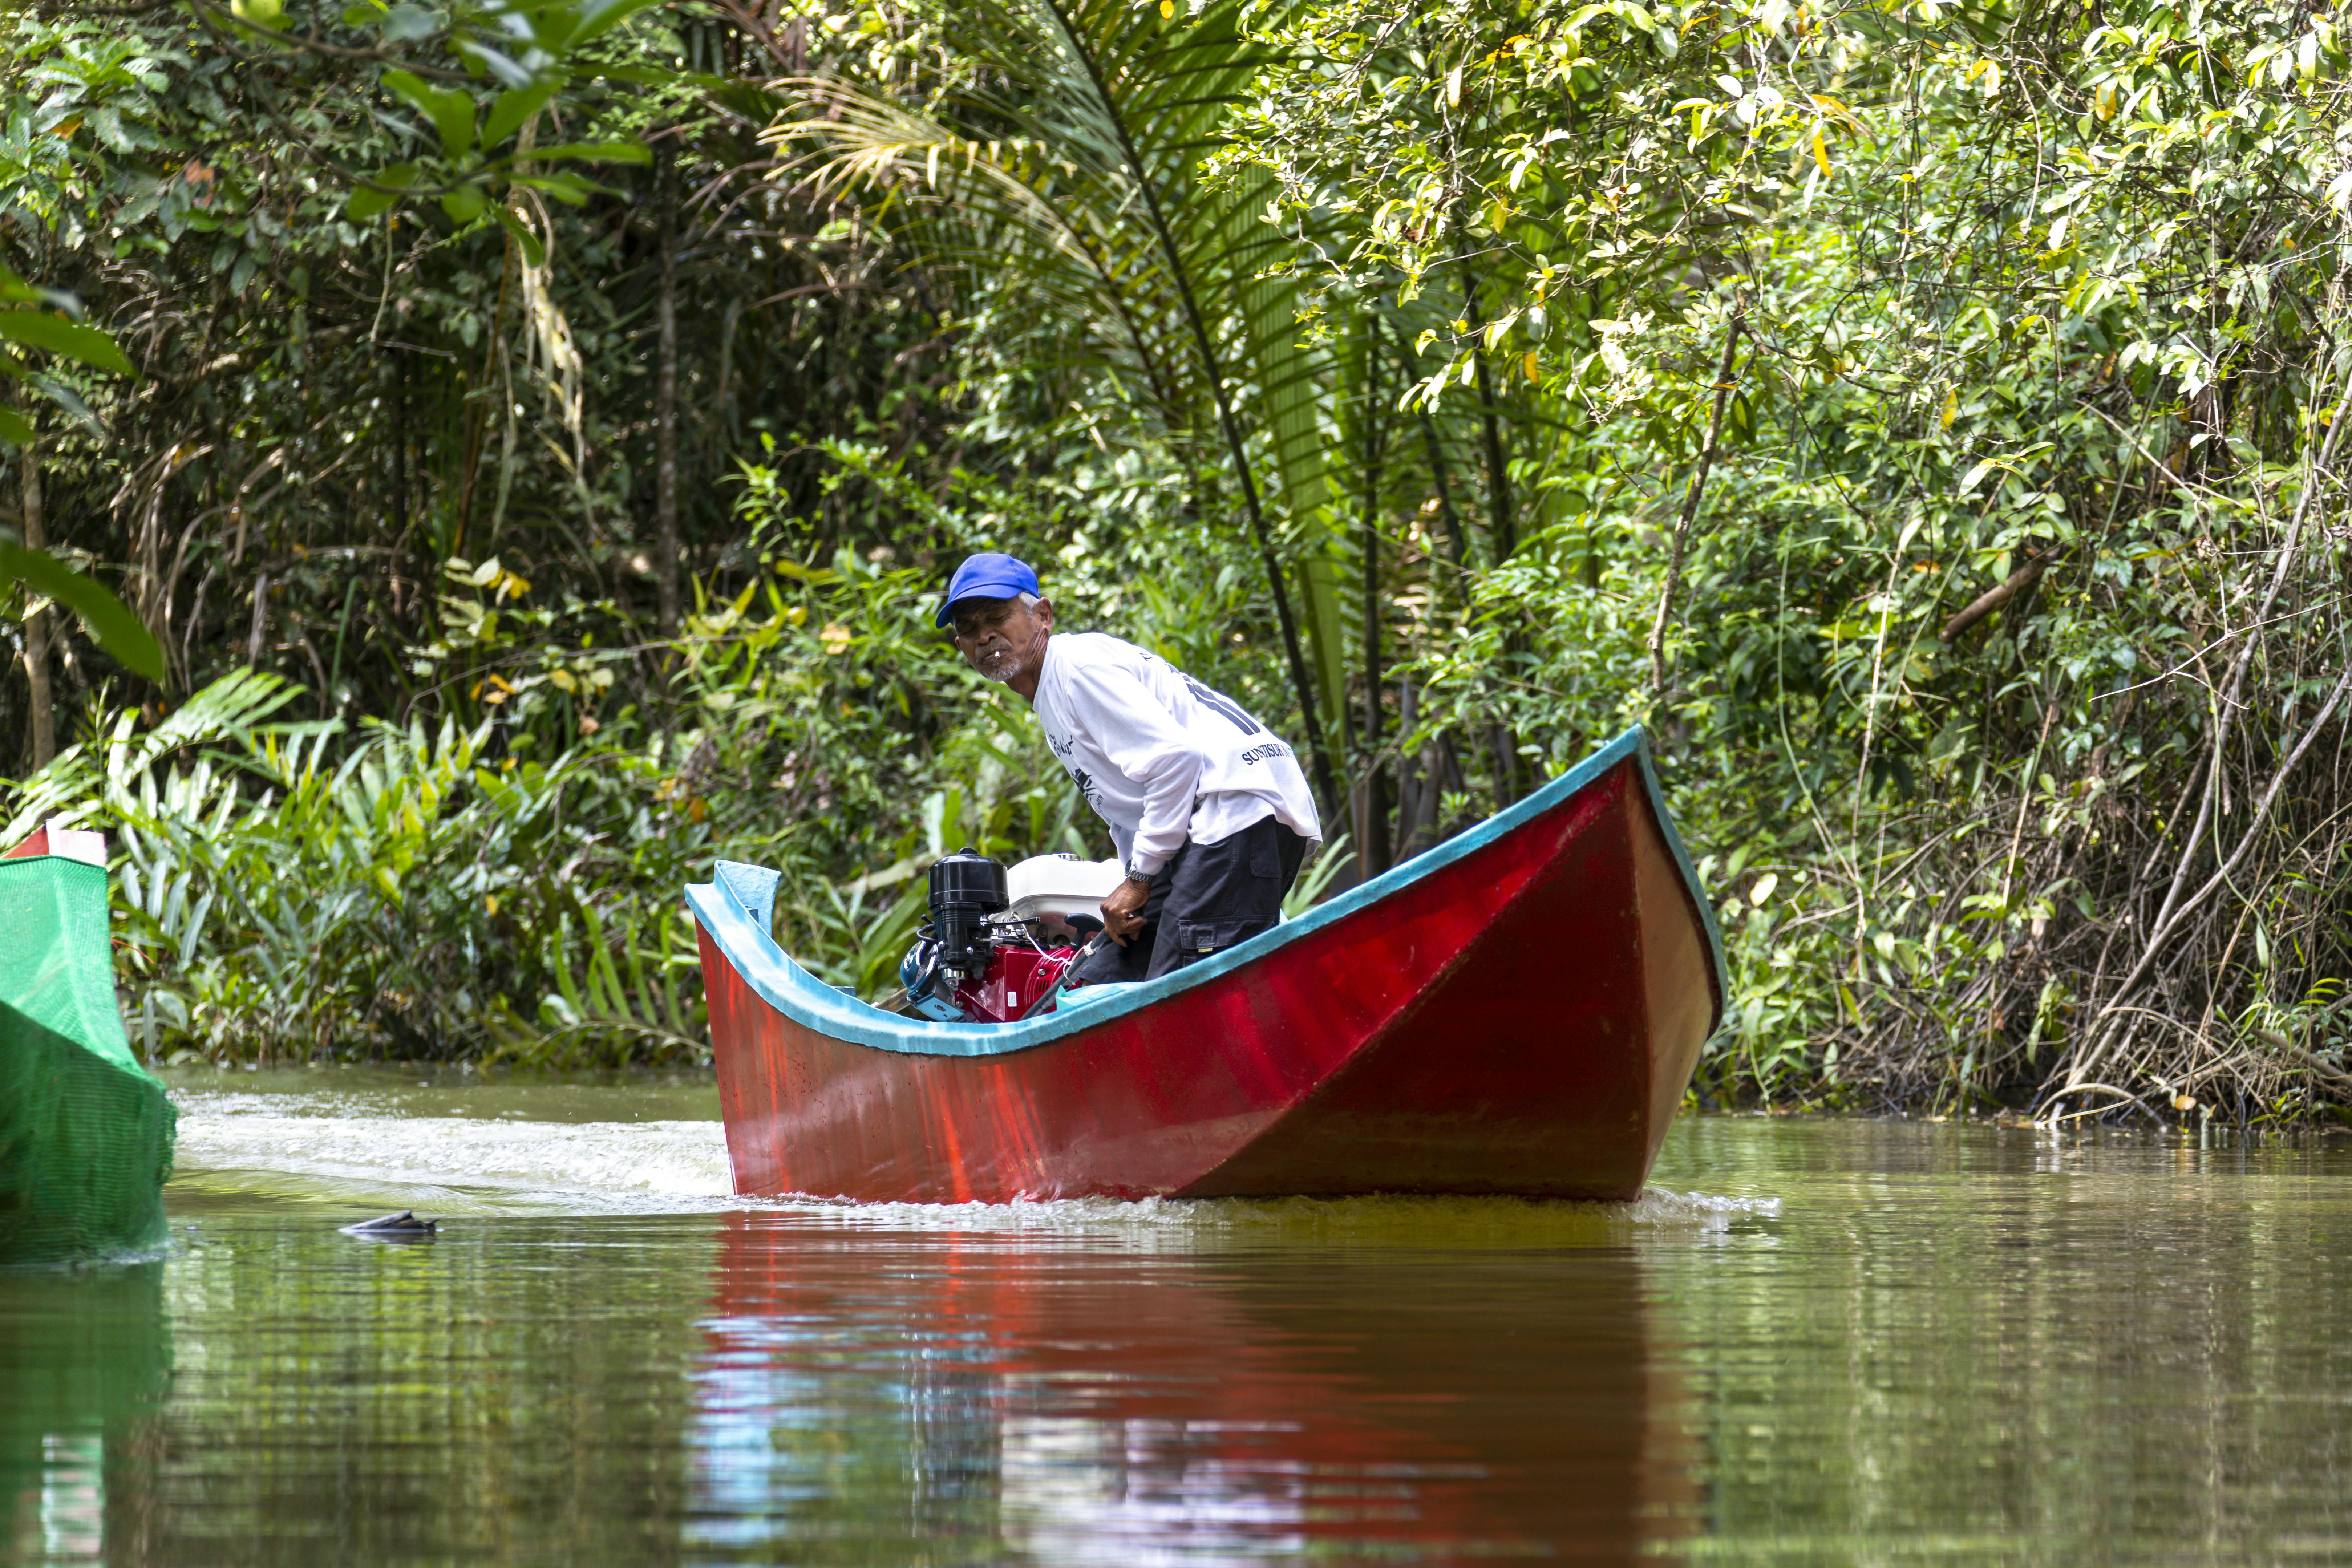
column 1094, row 996
column 755, row 888
column 743, row 936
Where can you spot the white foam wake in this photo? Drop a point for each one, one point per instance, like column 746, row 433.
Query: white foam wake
column 286, row 1146
column 1162, row 1223
column 350, row 1150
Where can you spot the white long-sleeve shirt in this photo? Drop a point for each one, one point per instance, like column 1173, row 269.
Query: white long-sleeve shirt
column 1160, row 757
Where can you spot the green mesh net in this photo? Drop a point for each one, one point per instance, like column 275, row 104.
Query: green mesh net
column 84, row 1133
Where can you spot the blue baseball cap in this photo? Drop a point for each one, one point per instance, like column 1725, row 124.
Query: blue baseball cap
column 988, row 575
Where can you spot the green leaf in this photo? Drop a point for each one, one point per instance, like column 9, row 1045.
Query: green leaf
column 501, row 66
column 598, row 17
column 515, row 106
column 750, row 100
column 451, row 110
column 367, row 203
column 14, row 429
column 109, row 620
column 67, row 398
column 532, row 250
column 572, row 192
column 596, row 151
column 464, row 204
column 407, row 23
column 60, row 336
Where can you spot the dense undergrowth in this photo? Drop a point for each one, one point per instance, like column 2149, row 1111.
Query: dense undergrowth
column 1921, row 417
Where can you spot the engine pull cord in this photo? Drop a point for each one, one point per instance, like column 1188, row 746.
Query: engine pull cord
column 1062, row 981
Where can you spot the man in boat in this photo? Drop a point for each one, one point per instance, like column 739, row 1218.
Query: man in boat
column 1209, row 809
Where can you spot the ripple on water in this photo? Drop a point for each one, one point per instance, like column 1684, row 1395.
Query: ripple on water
column 336, row 1149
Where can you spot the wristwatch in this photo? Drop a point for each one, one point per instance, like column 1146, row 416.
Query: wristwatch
column 1134, row 874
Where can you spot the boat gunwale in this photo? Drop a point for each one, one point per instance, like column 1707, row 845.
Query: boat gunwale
column 784, row 985
column 26, row 868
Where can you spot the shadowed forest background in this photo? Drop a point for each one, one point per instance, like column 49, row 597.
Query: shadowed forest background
column 547, row 426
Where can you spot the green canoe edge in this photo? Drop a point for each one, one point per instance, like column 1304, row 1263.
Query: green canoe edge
column 86, row 1132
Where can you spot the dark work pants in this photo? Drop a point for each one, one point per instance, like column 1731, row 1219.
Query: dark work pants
column 1207, row 898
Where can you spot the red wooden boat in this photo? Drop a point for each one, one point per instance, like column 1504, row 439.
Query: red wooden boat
column 1516, row 1011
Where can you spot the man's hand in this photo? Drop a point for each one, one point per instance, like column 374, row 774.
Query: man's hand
column 1122, row 912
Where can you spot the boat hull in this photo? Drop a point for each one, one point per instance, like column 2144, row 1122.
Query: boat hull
column 1519, row 1016
column 85, row 1134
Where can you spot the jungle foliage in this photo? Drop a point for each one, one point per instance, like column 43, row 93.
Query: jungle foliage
column 547, row 424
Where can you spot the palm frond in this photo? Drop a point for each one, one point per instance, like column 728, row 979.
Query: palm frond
column 1072, row 163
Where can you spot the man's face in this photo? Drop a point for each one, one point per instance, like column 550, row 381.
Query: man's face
column 1003, row 640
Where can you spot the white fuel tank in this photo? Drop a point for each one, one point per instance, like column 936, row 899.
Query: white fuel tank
column 1059, row 885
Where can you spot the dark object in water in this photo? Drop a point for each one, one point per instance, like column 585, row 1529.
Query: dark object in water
column 401, row 1227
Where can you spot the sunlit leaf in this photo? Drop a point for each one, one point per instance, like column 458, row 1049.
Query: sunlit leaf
column 122, row 634
column 563, row 188
column 67, row 398
column 499, row 64
column 59, row 336
column 600, row 17
column 450, row 109
column 597, row 151
column 368, row 202
column 513, row 107
column 407, row 23
column 533, row 251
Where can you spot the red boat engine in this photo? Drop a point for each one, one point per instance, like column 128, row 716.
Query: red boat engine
column 971, row 961
column 1018, row 979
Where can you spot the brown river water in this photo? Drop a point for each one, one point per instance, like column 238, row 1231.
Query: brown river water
column 1814, row 1341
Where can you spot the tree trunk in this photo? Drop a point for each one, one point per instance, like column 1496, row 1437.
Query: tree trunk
column 1501, row 524
column 1502, row 528
column 1454, row 548
column 1410, row 787
column 666, row 395
column 1446, row 777
column 1372, row 855
column 36, row 626
column 258, row 626
column 1723, row 385
column 477, row 418
column 395, row 368
column 1498, row 737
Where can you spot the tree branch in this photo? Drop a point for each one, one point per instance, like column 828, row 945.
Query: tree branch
column 1723, row 389
column 1993, row 599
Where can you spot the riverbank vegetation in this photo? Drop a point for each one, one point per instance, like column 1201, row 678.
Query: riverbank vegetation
column 546, row 427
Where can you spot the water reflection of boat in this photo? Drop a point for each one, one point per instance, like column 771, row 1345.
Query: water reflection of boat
column 1515, row 1011
column 84, row 1133
column 1028, row 1399
column 84, row 1361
